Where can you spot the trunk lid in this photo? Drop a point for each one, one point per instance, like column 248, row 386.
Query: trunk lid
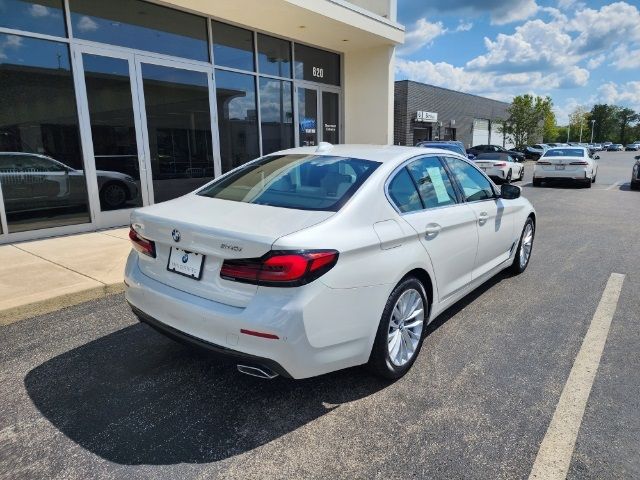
column 218, row 230
column 562, row 163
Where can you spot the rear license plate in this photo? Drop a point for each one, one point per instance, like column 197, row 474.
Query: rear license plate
column 185, row 263
column 559, row 167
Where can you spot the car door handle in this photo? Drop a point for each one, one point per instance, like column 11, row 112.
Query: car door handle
column 432, row 229
column 483, row 217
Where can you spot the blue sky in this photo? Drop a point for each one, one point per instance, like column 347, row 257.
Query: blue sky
column 577, row 52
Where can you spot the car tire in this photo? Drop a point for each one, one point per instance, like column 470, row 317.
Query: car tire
column 113, row 195
column 587, row 183
column 523, row 254
column 634, row 186
column 385, row 360
column 536, row 182
column 593, row 180
column 521, row 174
column 508, row 179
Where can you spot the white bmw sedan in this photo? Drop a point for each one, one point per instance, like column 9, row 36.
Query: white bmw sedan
column 316, row 259
column 566, row 163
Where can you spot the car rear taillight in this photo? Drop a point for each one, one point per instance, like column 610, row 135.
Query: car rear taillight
column 141, row 244
column 579, row 163
column 280, row 268
column 500, row 164
column 542, row 162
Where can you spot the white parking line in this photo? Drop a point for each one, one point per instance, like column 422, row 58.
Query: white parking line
column 556, row 449
column 617, row 184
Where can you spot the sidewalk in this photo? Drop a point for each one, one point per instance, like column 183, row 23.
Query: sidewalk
column 45, row 275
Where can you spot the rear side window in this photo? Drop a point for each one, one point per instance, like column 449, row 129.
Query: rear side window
column 403, row 192
column 303, row 182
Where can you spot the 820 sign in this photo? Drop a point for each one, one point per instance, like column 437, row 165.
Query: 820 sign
column 318, row 72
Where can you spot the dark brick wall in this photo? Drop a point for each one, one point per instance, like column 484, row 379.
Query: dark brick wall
column 411, row 97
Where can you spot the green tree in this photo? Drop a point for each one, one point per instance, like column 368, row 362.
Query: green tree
column 625, row 117
column 604, row 128
column 527, row 119
column 579, row 124
column 549, row 129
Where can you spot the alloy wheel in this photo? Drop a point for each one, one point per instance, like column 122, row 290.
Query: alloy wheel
column 527, row 244
column 405, row 327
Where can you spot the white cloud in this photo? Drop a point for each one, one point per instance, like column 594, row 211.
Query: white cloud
column 39, row 11
column 500, row 12
column 595, row 62
column 514, row 11
column 86, row 24
column 11, row 41
column 627, row 94
column 463, row 26
column 423, row 33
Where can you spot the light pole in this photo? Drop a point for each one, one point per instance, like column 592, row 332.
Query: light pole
column 581, row 123
column 593, row 123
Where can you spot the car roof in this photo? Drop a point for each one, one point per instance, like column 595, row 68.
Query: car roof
column 376, row 153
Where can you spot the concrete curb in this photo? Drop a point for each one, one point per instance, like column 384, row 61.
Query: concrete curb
column 22, row 312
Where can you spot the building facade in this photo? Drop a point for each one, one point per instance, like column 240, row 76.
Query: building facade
column 425, row 112
column 106, row 106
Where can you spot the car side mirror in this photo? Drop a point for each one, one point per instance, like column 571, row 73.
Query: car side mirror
column 637, row 157
column 596, row 157
column 471, row 156
column 509, row 192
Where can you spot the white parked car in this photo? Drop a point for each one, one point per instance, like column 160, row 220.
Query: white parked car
column 566, row 163
column 315, row 259
column 500, row 167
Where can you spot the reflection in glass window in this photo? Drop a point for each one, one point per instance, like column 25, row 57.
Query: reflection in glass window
column 237, row 119
column 179, row 126
column 140, row 25
column 308, row 116
column 41, row 169
column 317, row 65
column 304, row 182
column 40, row 16
column 433, row 182
column 474, row 184
column 232, row 46
column 276, row 115
column 274, row 56
column 403, row 192
column 113, row 131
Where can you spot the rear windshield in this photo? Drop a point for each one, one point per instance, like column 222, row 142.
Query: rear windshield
column 303, row 182
column 565, row 152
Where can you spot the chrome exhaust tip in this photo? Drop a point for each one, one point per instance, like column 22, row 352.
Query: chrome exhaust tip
column 257, row 371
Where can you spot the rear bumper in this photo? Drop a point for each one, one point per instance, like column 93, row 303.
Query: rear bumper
column 225, row 352
column 540, row 174
column 319, row 329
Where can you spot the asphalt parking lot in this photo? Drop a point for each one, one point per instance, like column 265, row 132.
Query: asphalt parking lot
column 89, row 392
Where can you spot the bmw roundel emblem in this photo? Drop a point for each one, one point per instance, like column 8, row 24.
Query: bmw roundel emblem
column 175, row 234
column 185, row 258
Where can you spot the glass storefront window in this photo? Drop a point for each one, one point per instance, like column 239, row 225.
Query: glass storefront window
column 41, row 169
column 274, row 56
column 40, row 16
column 317, row 65
column 179, row 126
column 113, row 131
column 141, row 25
column 232, row 46
column 276, row 115
column 237, row 118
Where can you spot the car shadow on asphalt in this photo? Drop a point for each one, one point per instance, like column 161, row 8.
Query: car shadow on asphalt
column 134, row 397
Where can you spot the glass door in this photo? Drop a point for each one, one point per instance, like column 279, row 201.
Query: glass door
column 113, row 140
column 318, row 115
column 308, row 116
column 175, row 99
